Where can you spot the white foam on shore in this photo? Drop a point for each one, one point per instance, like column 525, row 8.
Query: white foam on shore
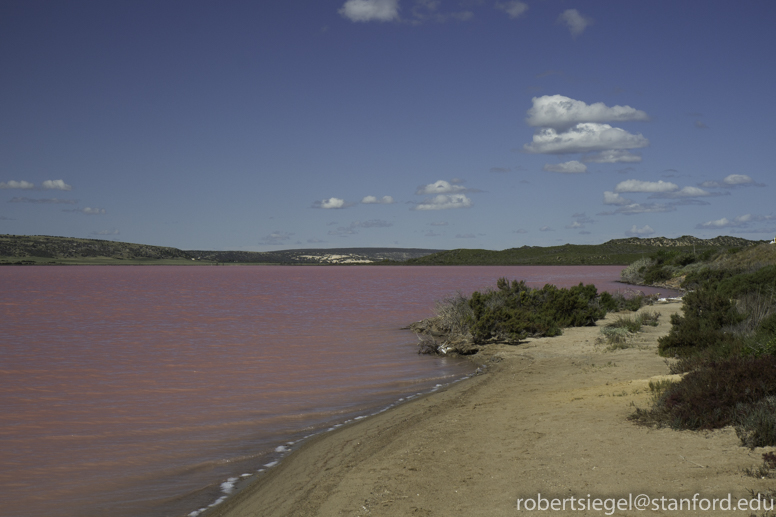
column 228, row 486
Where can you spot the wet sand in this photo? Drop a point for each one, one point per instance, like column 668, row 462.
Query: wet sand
column 548, row 417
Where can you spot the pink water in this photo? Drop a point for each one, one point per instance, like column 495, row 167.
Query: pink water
column 130, row 391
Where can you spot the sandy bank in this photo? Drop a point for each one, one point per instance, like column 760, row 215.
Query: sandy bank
column 549, row 417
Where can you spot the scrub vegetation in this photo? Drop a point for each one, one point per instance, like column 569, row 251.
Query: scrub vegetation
column 724, row 345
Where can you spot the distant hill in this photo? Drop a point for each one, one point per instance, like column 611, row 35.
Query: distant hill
column 41, row 249
column 617, row 251
column 38, row 249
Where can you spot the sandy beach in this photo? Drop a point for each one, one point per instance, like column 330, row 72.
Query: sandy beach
column 548, row 417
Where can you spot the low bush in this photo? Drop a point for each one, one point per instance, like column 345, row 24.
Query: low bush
column 515, row 311
column 756, row 423
column 715, row 395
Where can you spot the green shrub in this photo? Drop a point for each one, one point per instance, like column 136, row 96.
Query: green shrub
column 713, row 396
column 706, row 312
column 649, row 318
column 756, row 423
column 627, row 323
column 515, row 311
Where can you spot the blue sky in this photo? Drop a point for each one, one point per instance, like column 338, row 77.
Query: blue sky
column 400, row 123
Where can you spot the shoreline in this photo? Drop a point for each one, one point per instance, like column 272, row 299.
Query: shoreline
column 549, row 416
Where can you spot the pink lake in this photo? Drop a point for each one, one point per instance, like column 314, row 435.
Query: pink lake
column 129, row 391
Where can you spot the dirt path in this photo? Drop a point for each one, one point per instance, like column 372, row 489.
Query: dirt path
column 549, row 417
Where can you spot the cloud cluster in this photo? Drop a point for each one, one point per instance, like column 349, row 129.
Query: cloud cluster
column 742, row 222
column 444, row 202
column 571, row 126
column 50, row 201
column 443, row 187
column 562, row 113
column 732, row 181
column 47, row 185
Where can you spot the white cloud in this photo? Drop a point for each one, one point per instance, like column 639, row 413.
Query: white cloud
column 612, row 198
column 444, row 202
column 87, row 210
column 370, row 10
column 513, row 8
column 687, row 192
column 546, row 229
column 385, row 200
column 561, row 113
column 56, row 185
column 646, row 186
column 443, row 223
column 612, row 156
column 54, row 201
column 575, row 225
column 521, row 230
column 440, row 187
column 732, row 181
column 465, row 236
column 16, row 184
column 106, row 232
column 275, row 238
column 640, row 232
column 332, row 203
column 741, row 221
column 583, row 138
column 638, row 208
column 572, row 167
column 500, row 169
column 575, row 21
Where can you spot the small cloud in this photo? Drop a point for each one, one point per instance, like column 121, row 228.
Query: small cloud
column 374, row 223
column 546, row 229
column 332, row 203
column 575, row 21
column 585, row 232
column 646, row 186
column 315, row 241
column 572, row 167
column 443, row 187
column 465, row 236
column 742, row 221
column 638, row 208
column 87, row 210
column 700, row 125
column 17, row 184
column 276, row 238
column 612, row 198
column 56, row 185
column 612, row 156
column 442, row 223
column 520, row 231
column 732, row 181
column 370, row 10
column 687, row 192
column 575, row 225
column 513, row 8
column 500, row 169
column 50, row 201
column 371, row 200
column 105, row 233
column 639, row 232
column 432, row 233
column 444, row 202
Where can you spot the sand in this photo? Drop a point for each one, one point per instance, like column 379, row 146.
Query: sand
column 548, row 417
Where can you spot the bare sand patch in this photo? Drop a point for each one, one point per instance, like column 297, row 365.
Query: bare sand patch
column 549, row 417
